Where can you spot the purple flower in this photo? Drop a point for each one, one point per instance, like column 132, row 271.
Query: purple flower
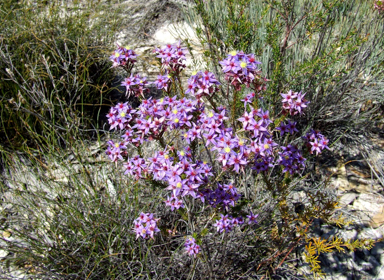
column 123, row 56
column 191, row 247
column 258, row 128
column 238, row 161
column 145, row 226
column 248, row 98
column 316, row 141
column 162, row 82
column 247, row 120
column 252, row 218
column 291, row 159
column 202, row 84
column 294, row 102
column 174, row 202
column 315, row 147
column 172, row 57
column 282, row 128
column 223, row 196
column 226, row 223
column 115, row 150
column 135, row 85
column 240, row 68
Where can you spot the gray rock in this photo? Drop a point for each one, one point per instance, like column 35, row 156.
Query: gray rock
column 3, row 253
column 380, row 274
column 370, row 203
column 370, row 233
column 348, row 234
column 347, row 198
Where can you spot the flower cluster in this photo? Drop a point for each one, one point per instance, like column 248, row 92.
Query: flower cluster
column 115, row 151
column 316, row 141
column 174, row 202
column 291, row 159
column 163, row 82
column 226, row 222
column 152, row 118
column 172, row 57
column 202, row 84
column 182, row 176
column 379, row 5
column 136, row 85
column 145, row 226
column 123, row 56
column 120, row 116
column 223, row 195
column 289, row 127
column 136, row 167
column 241, row 68
column 191, row 247
column 294, row 102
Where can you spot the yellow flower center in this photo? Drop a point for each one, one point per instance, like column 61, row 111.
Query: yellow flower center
column 176, row 120
column 233, row 53
column 122, row 114
column 128, row 47
column 117, row 54
column 194, row 73
column 241, row 142
column 166, row 156
column 174, row 111
column 243, row 64
column 182, row 153
column 178, row 185
column 227, row 149
column 117, row 145
column 210, row 114
column 266, row 146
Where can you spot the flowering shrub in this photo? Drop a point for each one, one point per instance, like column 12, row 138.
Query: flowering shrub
column 210, row 147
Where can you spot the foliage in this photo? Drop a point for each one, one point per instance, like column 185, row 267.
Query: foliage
column 53, row 71
column 332, row 50
column 78, row 228
column 316, row 246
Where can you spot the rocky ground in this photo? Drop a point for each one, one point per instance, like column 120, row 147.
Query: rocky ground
column 355, row 171
column 356, row 176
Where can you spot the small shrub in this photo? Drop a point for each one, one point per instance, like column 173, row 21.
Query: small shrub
column 206, row 152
